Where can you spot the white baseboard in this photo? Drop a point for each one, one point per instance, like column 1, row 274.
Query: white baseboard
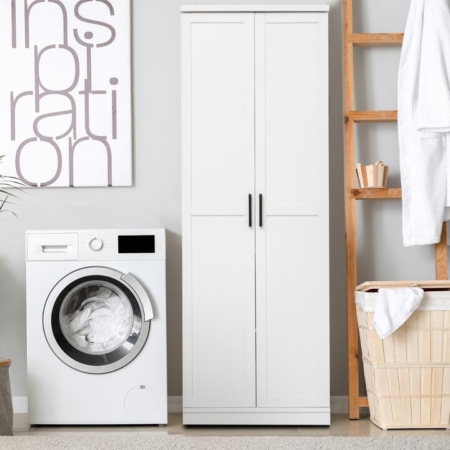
column 339, row 405
column 20, row 405
column 175, row 404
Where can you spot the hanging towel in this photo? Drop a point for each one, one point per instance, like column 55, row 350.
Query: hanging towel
column 394, row 308
column 424, row 121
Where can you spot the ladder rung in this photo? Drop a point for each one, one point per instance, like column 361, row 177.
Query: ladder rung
column 363, row 402
column 376, row 193
column 376, row 38
column 372, row 116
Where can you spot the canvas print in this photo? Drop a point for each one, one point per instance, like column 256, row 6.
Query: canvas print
column 65, row 93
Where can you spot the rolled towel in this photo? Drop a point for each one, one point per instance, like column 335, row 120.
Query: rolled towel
column 394, row 308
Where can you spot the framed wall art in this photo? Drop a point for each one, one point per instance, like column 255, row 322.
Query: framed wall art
column 65, row 92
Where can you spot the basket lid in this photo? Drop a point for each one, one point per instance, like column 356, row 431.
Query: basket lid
column 369, row 286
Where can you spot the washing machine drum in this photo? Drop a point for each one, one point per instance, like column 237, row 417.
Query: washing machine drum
column 97, row 320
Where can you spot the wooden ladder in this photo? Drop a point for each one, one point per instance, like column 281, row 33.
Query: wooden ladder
column 352, row 193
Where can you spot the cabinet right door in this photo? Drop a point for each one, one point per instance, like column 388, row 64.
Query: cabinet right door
column 292, row 243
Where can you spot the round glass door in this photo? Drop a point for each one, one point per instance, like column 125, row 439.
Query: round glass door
column 95, row 323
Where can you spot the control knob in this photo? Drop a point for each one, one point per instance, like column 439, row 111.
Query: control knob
column 96, row 244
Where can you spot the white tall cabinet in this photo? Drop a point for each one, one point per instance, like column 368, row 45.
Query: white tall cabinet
column 255, row 215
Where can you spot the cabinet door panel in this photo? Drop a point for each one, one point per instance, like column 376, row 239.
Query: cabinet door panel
column 291, row 114
column 222, row 316
column 292, row 290
column 292, row 263
column 218, row 244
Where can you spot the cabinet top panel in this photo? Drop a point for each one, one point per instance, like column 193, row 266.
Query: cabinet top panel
column 254, row 8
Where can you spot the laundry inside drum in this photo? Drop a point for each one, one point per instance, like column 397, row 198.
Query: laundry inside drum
column 96, row 317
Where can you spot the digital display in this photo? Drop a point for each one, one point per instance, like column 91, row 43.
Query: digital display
column 137, row 244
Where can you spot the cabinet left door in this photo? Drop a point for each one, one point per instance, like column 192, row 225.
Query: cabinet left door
column 218, row 221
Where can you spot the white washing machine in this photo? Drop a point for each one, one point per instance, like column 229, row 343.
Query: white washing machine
column 96, row 322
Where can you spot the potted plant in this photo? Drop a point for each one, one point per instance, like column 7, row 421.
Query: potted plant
column 7, row 184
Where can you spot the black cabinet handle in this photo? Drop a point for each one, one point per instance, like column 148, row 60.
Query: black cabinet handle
column 250, row 210
column 260, row 210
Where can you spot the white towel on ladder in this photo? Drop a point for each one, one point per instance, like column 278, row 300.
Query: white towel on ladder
column 394, row 307
column 424, row 121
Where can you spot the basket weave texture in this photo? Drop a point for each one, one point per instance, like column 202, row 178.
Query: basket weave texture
column 408, row 374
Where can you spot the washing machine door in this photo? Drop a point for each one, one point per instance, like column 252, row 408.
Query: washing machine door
column 97, row 320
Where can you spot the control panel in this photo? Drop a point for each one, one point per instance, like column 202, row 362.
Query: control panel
column 101, row 245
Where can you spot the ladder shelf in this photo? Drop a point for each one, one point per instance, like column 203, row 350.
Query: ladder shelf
column 365, row 39
column 376, row 193
column 352, row 194
column 372, row 116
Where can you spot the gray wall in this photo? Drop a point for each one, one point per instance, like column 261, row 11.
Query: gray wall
column 155, row 199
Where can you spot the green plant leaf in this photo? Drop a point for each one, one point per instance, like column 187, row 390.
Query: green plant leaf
column 8, row 183
column 8, row 193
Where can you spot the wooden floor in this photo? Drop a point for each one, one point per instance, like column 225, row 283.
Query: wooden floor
column 340, row 426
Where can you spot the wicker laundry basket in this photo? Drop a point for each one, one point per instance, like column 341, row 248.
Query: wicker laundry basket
column 408, row 374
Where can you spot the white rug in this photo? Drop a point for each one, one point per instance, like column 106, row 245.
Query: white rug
column 174, row 442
